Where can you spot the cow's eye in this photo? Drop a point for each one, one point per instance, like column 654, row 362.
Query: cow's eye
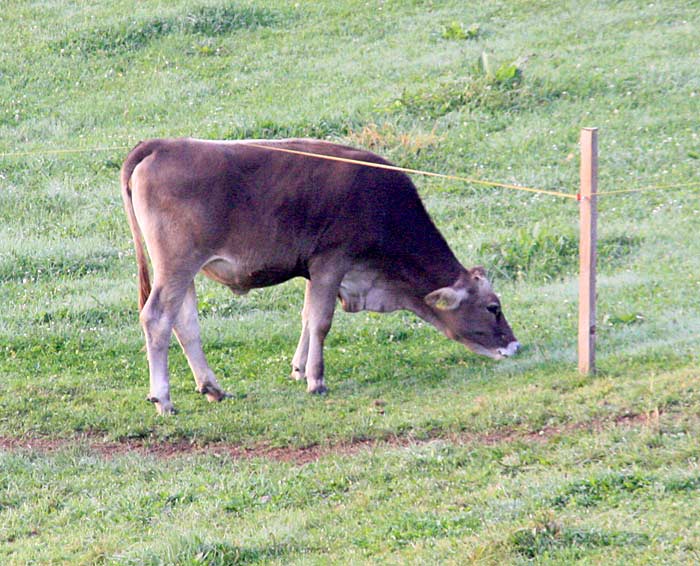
column 495, row 309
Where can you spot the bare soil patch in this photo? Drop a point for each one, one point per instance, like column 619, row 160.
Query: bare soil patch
column 304, row 455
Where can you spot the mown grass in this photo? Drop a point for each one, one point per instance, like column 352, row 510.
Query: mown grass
column 409, row 80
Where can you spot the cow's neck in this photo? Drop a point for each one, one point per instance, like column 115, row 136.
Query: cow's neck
column 398, row 281
column 427, row 262
column 412, row 261
column 425, row 275
column 430, row 265
column 429, row 271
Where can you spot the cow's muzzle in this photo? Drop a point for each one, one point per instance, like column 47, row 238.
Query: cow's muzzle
column 509, row 350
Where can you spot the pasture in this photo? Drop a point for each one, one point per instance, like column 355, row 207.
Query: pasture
column 421, row 452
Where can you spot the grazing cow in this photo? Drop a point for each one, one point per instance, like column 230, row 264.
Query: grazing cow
column 250, row 214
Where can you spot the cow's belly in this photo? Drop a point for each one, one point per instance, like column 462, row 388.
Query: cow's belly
column 241, row 277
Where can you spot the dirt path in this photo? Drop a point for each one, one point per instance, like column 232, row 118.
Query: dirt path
column 308, row 454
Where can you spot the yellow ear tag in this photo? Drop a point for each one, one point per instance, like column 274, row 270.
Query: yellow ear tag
column 442, row 304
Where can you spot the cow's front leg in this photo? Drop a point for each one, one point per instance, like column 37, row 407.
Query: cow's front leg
column 157, row 318
column 188, row 334
column 302, row 352
column 322, row 291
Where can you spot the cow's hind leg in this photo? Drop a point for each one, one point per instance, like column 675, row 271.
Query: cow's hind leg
column 187, row 332
column 302, row 351
column 157, row 318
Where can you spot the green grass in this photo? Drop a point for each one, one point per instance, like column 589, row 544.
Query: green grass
column 607, row 496
column 514, row 462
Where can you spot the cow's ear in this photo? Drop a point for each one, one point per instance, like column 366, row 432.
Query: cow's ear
column 446, row 298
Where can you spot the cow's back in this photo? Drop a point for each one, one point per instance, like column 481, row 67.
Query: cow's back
column 276, row 211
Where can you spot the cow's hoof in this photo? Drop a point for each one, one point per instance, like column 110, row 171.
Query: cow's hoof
column 317, row 388
column 218, row 397
column 166, row 409
column 297, row 374
column 214, row 393
column 163, row 407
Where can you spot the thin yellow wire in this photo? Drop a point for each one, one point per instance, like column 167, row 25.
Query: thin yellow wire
column 650, row 188
column 413, row 171
column 470, row 180
column 61, row 151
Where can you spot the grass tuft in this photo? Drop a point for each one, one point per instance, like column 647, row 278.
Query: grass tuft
column 225, row 554
column 543, row 252
column 456, row 31
column 483, row 87
column 551, row 539
column 592, row 491
column 129, row 36
column 388, row 138
column 266, row 129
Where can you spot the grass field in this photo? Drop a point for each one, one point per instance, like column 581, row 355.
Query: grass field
column 421, row 452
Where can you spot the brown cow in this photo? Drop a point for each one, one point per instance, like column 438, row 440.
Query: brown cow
column 250, row 217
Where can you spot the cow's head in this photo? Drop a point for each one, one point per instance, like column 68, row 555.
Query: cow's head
column 470, row 312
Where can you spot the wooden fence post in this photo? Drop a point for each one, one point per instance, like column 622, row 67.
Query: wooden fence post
column 588, row 250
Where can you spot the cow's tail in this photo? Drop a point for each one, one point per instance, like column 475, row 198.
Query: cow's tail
column 138, row 154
